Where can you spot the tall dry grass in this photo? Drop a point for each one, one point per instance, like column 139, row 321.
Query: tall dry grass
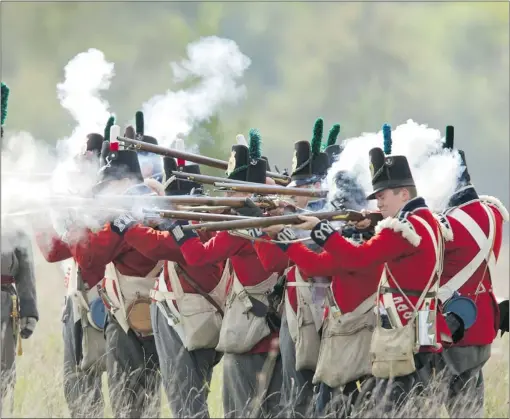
column 39, row 388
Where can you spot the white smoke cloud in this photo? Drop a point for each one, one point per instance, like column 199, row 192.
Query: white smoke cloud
column 34, row 174
column 219, row 64
column 435, row 171
column 86, row 75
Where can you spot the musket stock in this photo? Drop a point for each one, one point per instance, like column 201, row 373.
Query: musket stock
column 195, row 158
column 260, row 222
column 273, row 190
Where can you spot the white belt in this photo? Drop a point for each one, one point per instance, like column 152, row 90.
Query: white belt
column 161, row 296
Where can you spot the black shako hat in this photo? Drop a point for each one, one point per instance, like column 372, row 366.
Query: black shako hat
column 333, row 149
column 246, row 163
column 119, row 164
column 309, row 164
column 140, row 130
column 465, row 178
column 181, row 186
column 388, row 172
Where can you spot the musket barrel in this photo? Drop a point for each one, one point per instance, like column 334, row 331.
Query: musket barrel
column 273, row 190
column 259, row 222
column 203, row 208
column 170, row 152
column 206, row 179
column 158, row 200
column 197, row 216
column 195, row 158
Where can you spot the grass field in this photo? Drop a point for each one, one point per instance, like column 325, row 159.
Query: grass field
column 39, row 391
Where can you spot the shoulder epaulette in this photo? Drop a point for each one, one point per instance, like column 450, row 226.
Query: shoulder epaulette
column 400, row 224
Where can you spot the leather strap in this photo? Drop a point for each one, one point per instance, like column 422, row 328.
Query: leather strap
column 430, row 294
column 197, row 288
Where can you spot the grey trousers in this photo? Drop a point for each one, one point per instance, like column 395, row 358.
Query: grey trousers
column 405, row 396
column 8, row 371
column 297, row 389
column 186, row 374
column 462, row 378
column 133, row 373
column 82, row 390
column 240, row 385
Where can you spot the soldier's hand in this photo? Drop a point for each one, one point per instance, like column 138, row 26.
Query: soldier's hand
column 27, row 326
column 363, row 224
column 308, row 222
column 250, row 209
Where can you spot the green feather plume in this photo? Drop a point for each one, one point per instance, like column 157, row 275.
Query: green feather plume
column 255, row 145
column 317, row 137
column 333, row 135
column 139, row 122
column 5, row 100
column 109, row 124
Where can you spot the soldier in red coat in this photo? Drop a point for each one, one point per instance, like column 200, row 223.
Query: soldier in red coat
column 305, row 292
column 82, row 386
column 409, row 236
column 186, row 349
column 123, row 277
column 246, row 333
column 309, row 167
column 476, row 224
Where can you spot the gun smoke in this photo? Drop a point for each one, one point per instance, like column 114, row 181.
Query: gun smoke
column 435, row 170
column 219, row 65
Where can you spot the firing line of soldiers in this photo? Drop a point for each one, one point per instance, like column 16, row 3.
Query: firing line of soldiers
column 373, row 308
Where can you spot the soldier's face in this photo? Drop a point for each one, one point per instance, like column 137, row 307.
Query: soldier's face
column 302, row 201
column 390, row 201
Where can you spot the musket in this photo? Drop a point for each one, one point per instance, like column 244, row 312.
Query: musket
column 259, row 222
column 195, row 158
column 231, row 202
column 194, row 216
column 273, row 190
column 207, row 180
column 203, row 208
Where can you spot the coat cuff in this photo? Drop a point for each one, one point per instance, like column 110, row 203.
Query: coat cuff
column 123, row 223
column 182, row 236
column 284, row 237
column 322, row 232
column 256, row 233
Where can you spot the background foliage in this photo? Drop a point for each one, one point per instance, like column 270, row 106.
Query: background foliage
column 359, row 64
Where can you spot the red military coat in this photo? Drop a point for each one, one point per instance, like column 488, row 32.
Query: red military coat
column 160, row 245
column 243, row 257
column 350, row 287
column 402, row 243
column 466, row 272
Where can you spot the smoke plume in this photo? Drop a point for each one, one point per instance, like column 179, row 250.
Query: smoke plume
column 219, row 65
column 86, row 75
column 34, row 174
column 435, row 170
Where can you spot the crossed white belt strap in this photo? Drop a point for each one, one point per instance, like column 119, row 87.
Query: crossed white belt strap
column 484, row 243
